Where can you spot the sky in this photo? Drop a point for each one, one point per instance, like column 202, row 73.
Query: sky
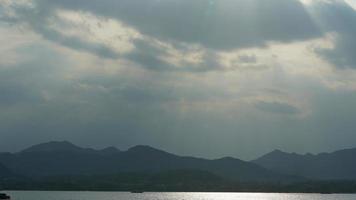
column 207, row 78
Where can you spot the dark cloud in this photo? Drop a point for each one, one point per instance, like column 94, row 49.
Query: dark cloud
column 37, row 20
column 215, row 25
column 223, row 24
column 78, row 44
column 276, row 107
column 147, row 55
column 340, row 18
column 343, row 55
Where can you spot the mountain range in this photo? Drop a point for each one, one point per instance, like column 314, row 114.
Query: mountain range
column 64, row 158
column 338, row 165
column 54, row 160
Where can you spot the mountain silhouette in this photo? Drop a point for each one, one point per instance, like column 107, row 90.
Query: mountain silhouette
column 5, row 172
column 338, row 165
column 63, row 146
column 64, row 158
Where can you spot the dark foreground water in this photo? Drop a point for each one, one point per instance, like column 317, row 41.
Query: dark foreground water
column 19, row 195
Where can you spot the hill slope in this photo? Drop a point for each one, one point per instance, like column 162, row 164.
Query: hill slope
column 338, row 165
column 5, row 172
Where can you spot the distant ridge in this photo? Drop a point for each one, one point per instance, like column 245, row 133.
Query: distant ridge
column 52, row 146
column 110, row 150
column 338, row 165
column 145, row 149
column 65, row 146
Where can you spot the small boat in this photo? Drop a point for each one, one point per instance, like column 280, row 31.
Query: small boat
column 4, row 196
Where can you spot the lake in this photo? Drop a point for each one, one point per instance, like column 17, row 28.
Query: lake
column 36, row 195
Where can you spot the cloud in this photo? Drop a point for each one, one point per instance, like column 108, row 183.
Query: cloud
column 277, row 107
column 40, row 22
column 129, row 75
column 78, row 44
column 343, row 54
column 224, row 24
column 339, row 18
column 24, row 82
column 147, row 55
column 212, row 25
column 12, row 94
column 248, row 58
column 158, row 56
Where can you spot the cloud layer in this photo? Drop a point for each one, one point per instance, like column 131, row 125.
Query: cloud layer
column 242, row 76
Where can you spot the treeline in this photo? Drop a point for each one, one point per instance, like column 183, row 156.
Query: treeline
column 171, row 181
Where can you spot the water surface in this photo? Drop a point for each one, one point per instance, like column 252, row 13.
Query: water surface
column 36, row 195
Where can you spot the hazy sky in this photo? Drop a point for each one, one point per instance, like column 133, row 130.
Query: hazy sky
column 206, row 78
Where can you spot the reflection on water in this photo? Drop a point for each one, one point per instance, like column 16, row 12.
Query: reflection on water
column 21, row 195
